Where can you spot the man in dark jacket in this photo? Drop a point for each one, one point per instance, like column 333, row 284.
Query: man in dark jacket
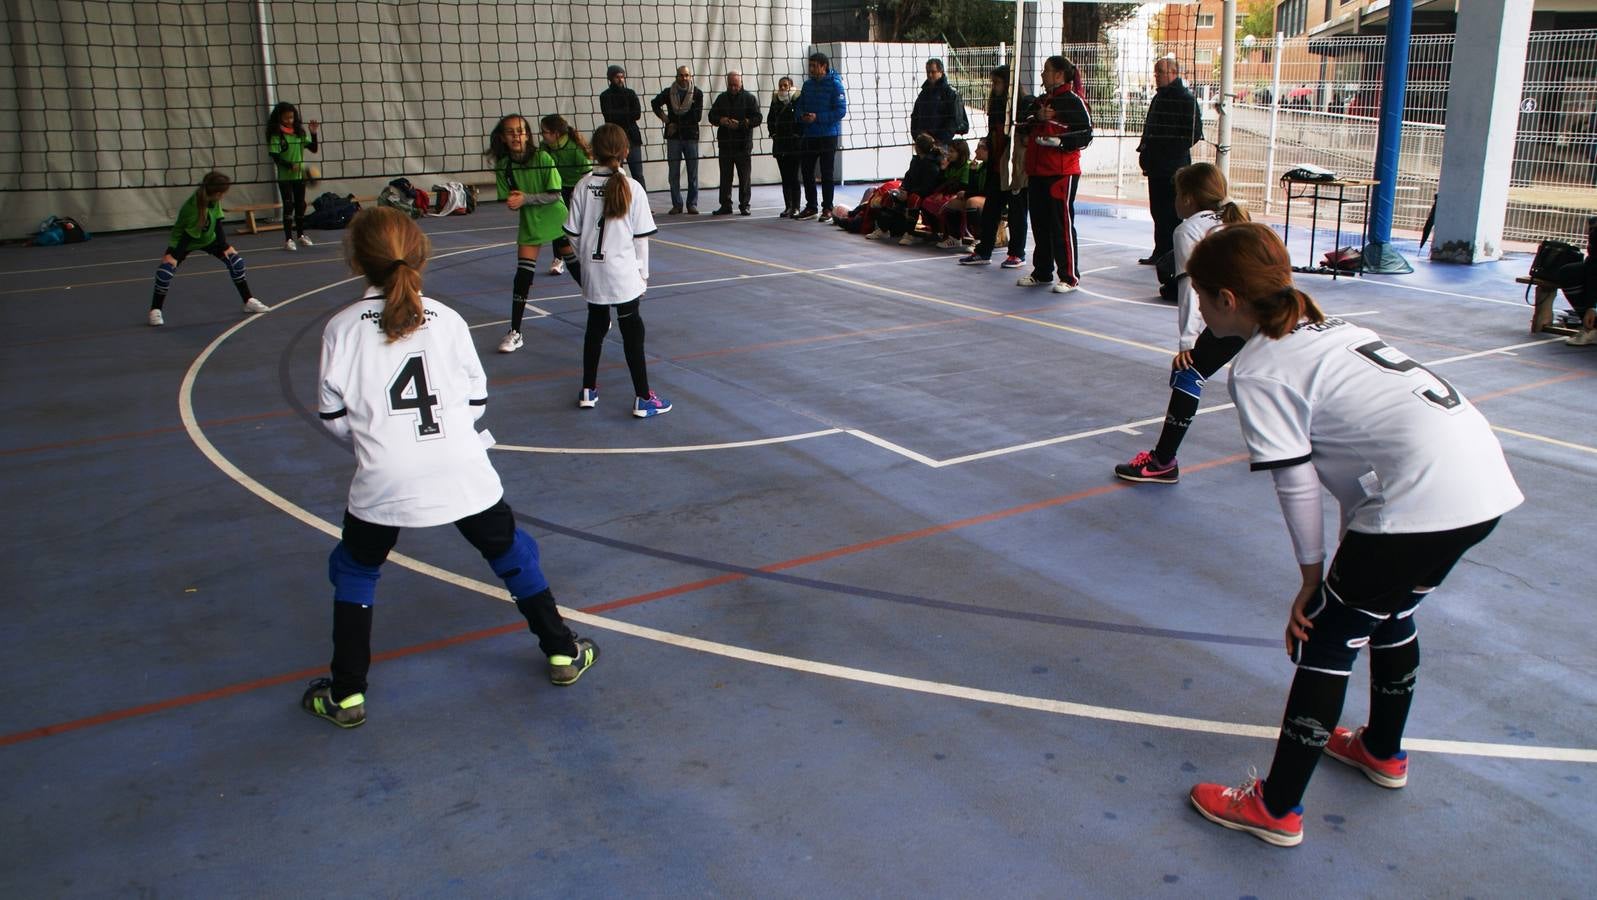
column 736, row 113
column 619, row 106
column 1173, row 125
column 681, row 107
column 935, row 108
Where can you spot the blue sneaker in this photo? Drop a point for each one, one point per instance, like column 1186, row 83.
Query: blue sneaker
column 588, row 399
column 652, row 405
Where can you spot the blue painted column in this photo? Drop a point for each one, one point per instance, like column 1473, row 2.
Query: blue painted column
column 1379, row 256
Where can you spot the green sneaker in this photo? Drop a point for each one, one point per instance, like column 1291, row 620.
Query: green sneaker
column 564, row 670
column 346, row 713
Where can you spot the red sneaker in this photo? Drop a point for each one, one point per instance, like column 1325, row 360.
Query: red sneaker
column 1241, row 808
column 1348, row 747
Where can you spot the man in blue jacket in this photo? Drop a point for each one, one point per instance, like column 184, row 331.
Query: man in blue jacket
column 822, row 104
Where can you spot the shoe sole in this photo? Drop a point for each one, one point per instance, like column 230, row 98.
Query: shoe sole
column 1374, row 775
column 1148, row 479
column 1275, row 838
column 976, row 262
column 650, row 413
column 585, row 404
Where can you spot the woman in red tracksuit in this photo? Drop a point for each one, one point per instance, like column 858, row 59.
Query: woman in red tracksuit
column 1055, row 136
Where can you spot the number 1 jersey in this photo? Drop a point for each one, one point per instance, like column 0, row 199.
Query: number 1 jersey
column 1400, row 449
column 411, row 406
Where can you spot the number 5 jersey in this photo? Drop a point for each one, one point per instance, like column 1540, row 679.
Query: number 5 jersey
column 1401, row 449
column 410, row 406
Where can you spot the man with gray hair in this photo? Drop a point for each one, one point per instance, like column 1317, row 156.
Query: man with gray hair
column 735, row 114
column 1173, row 125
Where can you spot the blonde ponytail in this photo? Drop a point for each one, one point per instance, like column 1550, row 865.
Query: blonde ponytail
column 386, row 247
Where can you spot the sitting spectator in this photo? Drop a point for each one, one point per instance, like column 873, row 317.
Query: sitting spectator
column 862, row 218
column 1578, row 280
column 969, row 200
column 954, row 180
column 924, row 174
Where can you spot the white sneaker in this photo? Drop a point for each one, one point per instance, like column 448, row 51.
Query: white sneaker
column 253, row 305
column 305, row 241
column 876, row 235
column 290, row 246
column 1585, row 338
column 558, row 268
column 949, row 243
column 906, row 240
column 511, row 343
column 1029, row 281
column 1061, row 287
column 156, row 319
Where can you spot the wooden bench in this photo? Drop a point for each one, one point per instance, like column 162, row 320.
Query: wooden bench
column 1541, row 317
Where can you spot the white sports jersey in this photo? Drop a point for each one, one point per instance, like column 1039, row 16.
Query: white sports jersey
column 1189, row 321
column 411, row 406
column 1400, row 449
column 613, row 252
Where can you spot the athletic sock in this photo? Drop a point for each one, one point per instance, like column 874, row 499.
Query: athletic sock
column 520, row 287
column 1392, row 677
column 352, row 648
column 1312, row 708
column 1177, row 419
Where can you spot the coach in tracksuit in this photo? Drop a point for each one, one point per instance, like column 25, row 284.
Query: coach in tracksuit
column 1058, row 130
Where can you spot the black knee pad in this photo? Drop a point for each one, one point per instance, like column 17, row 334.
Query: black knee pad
column 1339, row 633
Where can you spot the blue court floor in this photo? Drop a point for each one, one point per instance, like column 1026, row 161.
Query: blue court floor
column 876, row 618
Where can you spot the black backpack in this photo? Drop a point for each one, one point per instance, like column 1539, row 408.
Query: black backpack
column 1551, row 256
column 332, row 211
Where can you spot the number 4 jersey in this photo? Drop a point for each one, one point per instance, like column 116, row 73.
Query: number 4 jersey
column 410, row 406
column 1400, row 449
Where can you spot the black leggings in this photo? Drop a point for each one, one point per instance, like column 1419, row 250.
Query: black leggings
column 492, row 532
column 293, row 194
column 631, row 322
column 1386, row 576
column 1210, row 353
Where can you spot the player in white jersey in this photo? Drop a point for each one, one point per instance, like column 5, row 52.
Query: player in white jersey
column 1204, row 203
column 610, row 221
column 1420, row 479
column 400, row 379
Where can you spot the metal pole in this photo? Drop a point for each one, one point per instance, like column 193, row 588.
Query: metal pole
column 1228, row 65
column 1378, row 253
column 1120, row 101
column 1015, row 74
column 263, row 21
column 1275, row 116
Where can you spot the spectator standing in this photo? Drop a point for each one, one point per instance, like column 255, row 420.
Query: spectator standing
column 681, row 107
column 736, row 113
column 936, row 108
column 619, row 105
column 822, row 106
column 782, row 119
column 1173, row 125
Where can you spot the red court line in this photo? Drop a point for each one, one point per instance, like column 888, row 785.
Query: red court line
column 1492, row 395
column 689, row 587
column 134, row 435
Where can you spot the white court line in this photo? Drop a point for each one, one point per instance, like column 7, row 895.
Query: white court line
column 726, row 278
column 1505, row 351
column 1545, row 439
column 690, row 448
column 811, row 667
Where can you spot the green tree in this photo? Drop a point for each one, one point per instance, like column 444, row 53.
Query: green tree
column 1258, row 19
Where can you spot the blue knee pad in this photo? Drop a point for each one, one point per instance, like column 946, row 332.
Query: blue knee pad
column 1339, row 633
column 1187, row 381
column 519, row 568
column 164, row 273
column 352, row 582
column 235, row 266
